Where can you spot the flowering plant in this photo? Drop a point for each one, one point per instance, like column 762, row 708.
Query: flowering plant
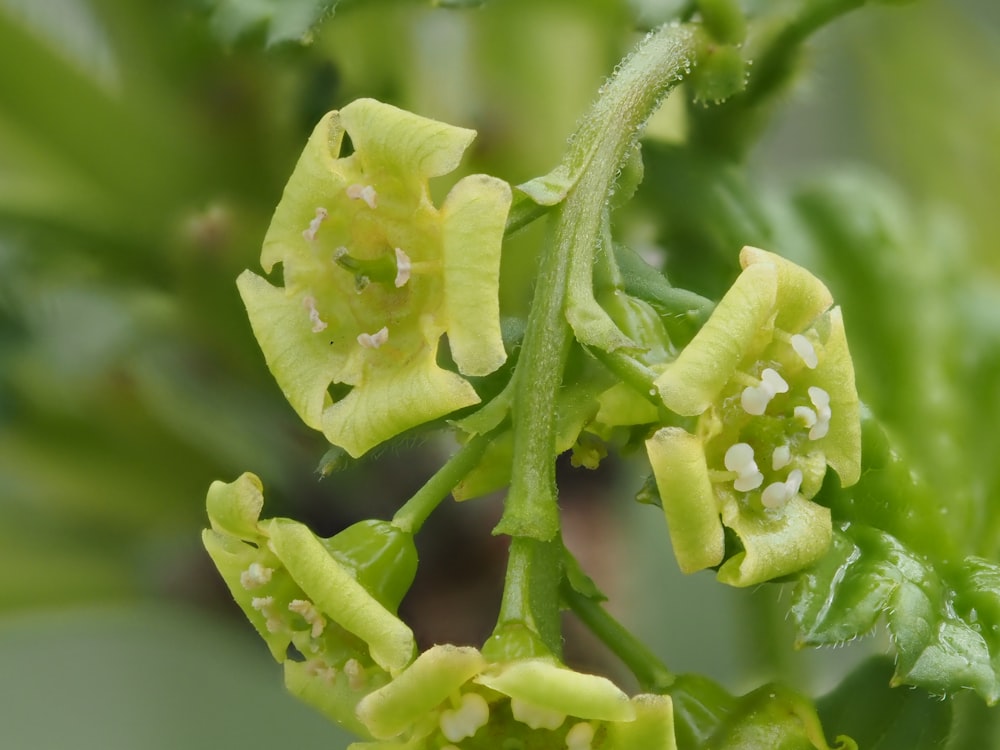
column 386, row 321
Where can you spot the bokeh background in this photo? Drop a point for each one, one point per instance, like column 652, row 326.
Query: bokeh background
column 142, row 150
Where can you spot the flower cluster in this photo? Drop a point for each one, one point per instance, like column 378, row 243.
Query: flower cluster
column 374, row 275
column 452, row 698
column 325, row 607
column 771, row 382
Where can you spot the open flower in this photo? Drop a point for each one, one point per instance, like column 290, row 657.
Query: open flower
column 324, row 608
column 374, row 275
column 451, row 697
column 771, row 381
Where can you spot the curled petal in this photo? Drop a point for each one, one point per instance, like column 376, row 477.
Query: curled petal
column 678, row 461
column 774, row 546
column 801, row 297
column 474, row 214
column 399, row 143
column 653, row 728
column 430, row 680
column 335, row 590
column 739, row 326
column 841, row 445
column 548, row 686
column 234, row 507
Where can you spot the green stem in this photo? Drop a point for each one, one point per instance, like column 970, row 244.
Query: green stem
column 652, row 674
column 529, row 625
column 598, row 149
column 411, row 516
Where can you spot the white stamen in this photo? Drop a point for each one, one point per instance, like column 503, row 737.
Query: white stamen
column 364, row 192
column 804, row 348
column 739, row 458
column 355, row 674
column 777, row 494
column 255, row 576
column 466, row 720
column 309, row 303
column 272, row 621
column 805, row 415
column 821, row 400
column 580, row 736
column 310, row 614
column 261, row 603
column 755, row 398
column 781, row 457
column 536, row 717
column 310, row 233
column 403, row 268
column 321, row 669
column 374, row 340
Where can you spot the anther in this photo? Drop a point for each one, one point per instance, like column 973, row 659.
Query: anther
column 464, row 721
column 755, row 399
column 804, row 348
column 777, row 494
column 805, row 415
column 310, row 233
column 374, row 340
column 310, row 614
column 739, row 458
column 255, row 576
column 403, row 268
column 318, row 324
column 534, row 716
column 821, row 400
column 781, row 457
column 355, row 674
column 363, row 192
column 580, row 736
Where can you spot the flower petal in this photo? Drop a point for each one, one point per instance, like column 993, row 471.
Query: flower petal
column 741, row 324
column 418, row 690
column 546, row 685
column 336, row 591
column 653, row 728
column 801, row 297
column 299, row 359
column 775, row 544
column 474, row 215
column 842, row 444
column 689, row 503
column 234, row 507
column 394, row 400
column 400, row 144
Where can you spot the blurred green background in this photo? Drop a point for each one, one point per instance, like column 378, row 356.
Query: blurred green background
column 141, row 155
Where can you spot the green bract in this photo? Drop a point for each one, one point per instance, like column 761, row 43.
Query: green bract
column 374, row 275
column 771, row 381
column 332, row 601
column 452, row 697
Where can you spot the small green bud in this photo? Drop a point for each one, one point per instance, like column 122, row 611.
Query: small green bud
column 719, row 73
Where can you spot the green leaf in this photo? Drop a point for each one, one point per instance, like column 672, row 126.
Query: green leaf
column 943, row 642
column 772, row 717
column 283, row 20
column 880, row 717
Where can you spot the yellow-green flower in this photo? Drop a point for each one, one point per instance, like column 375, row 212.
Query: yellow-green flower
column 374, row 275
column 771, row 381
column 451, row 697
column 325, row 607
